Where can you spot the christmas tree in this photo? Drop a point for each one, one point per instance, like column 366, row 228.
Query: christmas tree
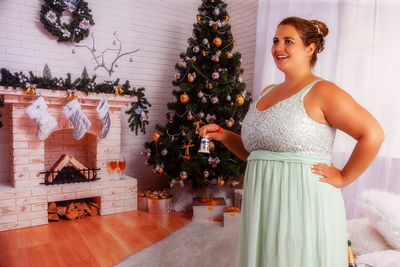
column 209, row 90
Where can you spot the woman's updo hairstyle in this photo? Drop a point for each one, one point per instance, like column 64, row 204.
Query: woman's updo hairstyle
column 310, row 31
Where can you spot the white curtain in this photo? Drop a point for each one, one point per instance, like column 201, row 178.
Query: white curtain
column 362, row 56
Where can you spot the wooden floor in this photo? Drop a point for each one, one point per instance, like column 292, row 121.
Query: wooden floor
column 91, row 241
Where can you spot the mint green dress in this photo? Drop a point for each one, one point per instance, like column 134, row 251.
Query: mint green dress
column 288, row 217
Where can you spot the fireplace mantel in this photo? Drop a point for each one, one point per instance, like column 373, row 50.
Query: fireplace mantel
column 58, row 97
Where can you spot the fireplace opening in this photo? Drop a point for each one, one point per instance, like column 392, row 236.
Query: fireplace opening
column 69, row 170
column 74, row 209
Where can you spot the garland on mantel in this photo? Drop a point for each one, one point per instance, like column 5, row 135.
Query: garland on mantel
column 138, row 110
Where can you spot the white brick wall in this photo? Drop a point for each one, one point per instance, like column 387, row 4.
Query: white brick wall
column 159, row 28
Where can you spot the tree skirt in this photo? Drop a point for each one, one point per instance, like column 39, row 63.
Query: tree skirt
column 197, row 244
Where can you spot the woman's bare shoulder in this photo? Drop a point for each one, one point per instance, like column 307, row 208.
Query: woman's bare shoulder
column 328, row 90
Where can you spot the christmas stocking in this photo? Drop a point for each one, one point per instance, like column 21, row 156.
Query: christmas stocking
column 74, row 113
column 38, row 112
column 103, row 112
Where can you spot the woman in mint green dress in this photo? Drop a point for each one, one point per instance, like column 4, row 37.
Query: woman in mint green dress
column 293, row 211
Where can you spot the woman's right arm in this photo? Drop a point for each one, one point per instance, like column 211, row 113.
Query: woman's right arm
column 231, row 140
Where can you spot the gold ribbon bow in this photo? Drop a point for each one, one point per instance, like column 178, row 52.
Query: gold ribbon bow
column 30, row 90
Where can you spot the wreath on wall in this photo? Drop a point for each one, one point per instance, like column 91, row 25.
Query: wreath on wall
column 54, row 16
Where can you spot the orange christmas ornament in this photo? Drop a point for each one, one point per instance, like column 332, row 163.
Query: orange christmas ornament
column 221, row 182
column 217, row 41
column 215, row 26
column 156, row 136
column 184, row 98
column 228, row 55
column 239, row 100
column 211, row 145
column 198, row 18
column 226, row 18
column 210, row 86
column 191, row 77
column 203, row 52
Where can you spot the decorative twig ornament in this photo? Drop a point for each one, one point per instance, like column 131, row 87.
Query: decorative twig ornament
column 99, row 59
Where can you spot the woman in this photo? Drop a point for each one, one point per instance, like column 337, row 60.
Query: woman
column 293, row 211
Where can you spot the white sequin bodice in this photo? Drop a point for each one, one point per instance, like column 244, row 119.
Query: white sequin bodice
column 286, row 127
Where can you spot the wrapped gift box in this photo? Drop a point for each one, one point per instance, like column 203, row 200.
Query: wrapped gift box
column 231, row 216
column 213, row 212
column 142, row 203
column 237, row 201
column 159, row 205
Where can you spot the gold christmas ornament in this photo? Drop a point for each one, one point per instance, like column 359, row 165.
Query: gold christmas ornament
column 211, row 145
column 230, row 123
column 156, row 136
column 228, row 55
column 210, row 86
column 217, row 41
column 191, row 77
column 234, row 43
column 226, row 18
column 184, row 98
column 221, row 182
column 203, row 52
column 183, row 132
column 198, row 18
column 239, row 100
column 190, row 116
column 216, row 59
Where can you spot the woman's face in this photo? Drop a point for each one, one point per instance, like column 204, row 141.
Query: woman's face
column 288, row 49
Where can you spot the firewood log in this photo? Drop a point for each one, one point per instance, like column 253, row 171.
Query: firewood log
column 70, row 207
column 60, row 163
column 94, row 204
column 52, row 208
column 72, row 215
column 85, row 206
column 53, row 217
column 93, row 211
column 61, row 210
column 74, row 162
column 81, row 213
column 78, row 205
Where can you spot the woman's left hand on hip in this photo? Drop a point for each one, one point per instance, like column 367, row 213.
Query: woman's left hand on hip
column 330, row 174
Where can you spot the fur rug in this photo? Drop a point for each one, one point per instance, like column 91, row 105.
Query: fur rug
column 197, row 244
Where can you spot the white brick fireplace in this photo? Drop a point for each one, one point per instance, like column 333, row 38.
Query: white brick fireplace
column 24, row 199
